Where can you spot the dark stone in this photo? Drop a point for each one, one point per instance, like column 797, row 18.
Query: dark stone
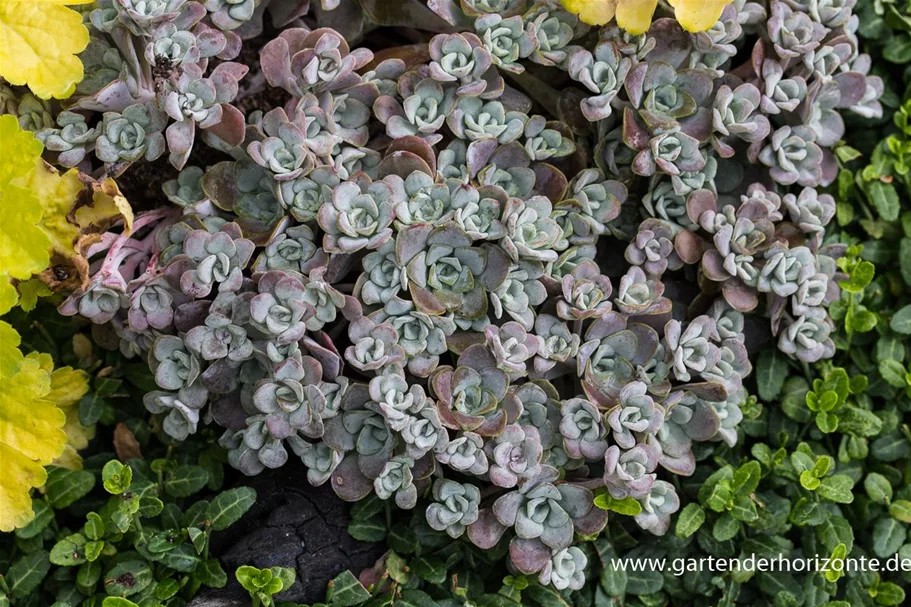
column 293, row 525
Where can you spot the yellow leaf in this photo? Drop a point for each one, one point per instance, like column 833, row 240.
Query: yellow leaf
column 635, row 16
column 38, row 45
column 8, row 295
column 68, row 386
column 57, row 195
column 23, row 246
column 31, row 426
column 19, row 474
column 29, row 422
column 29, row 292
column 108, row 204
column 592, row 12
column 698, row 15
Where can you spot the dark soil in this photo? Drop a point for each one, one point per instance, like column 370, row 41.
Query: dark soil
column 292, row 525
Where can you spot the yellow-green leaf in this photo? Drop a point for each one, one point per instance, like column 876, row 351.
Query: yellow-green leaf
column 698, row 15
column 31, row 428
column 39, row 42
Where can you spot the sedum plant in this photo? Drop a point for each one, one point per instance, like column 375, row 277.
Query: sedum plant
column 516, row 271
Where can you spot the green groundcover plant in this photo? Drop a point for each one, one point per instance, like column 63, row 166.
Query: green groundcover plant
column 532, row 295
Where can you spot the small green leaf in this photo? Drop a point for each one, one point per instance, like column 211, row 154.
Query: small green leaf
column 185, row 481
column 69, row 551
column 211, row 574
column 888, row 593
column 885, row 199
column 228, row 506
column 116, row 477
column 430, row 568
column 94, row 526
column 878, row 488
column 901, row 321
column 91, row 408
column 690, row 520
column 893, row 372
column 627, row 506
column 725, row 528
column 836, row 488
column 888, row 537
column 900, row 510
column 128, row 578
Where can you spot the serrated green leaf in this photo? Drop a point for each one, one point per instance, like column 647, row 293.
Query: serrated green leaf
column 64, row 487
column 545, row 596
column 211, row 574
column 900, row 510
column 346, row 591
column 901, row 321
column 690, row 520
column 26, row 573
column 771, row 373
column 43, row 515
column 888, row 537
column 91, row 408
column 229, row 506
column 185, row 481
column 370, row 530
column 430, row 568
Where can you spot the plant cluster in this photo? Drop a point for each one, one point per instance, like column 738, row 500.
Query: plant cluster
column 398, row 275
column 144, row 542
column 505, row 280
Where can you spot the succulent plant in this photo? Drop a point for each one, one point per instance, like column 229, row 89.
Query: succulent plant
column 808, row 337
column 507, row 39
column 284, row 151
column 657, row 506
column 690, row 350
column 374, row 346
column 538, row 509
column 582, row 429
column 465, row 453
column 421, row 112
column 396, row 479
column 130, row 135
column 634, row 414
column 455, row 506
column 72, row 140
column 630, row 472
column 181, row 419
column 474, row 119
column 214, row 259
column 449, row 233
column 230, row 14
column 566, row 569
column 358, row 215
column 515, row 455
column 793, row 156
